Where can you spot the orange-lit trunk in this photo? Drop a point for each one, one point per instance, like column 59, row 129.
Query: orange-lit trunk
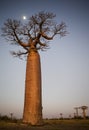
column 33, row 99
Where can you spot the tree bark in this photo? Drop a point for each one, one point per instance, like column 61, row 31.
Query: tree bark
column 84, row 114
column 33, row 94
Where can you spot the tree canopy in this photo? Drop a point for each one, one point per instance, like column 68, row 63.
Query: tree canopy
column 35, row 34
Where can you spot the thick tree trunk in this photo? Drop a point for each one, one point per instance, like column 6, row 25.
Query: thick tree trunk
column 84, row 114
column 33, row 99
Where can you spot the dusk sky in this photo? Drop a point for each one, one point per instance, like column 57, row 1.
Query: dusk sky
column 65, row 66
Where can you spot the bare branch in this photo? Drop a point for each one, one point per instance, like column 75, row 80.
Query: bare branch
column 42, row 46
column 60, row 29
column 12, row 30
column 46, row 37
column 18, row 54
column 40, row 29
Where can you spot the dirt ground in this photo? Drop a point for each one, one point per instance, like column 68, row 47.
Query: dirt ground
column 49, row 125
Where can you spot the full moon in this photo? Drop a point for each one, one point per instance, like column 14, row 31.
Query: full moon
column 24, row 18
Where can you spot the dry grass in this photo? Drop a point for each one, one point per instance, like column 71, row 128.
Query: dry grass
column 48, row 125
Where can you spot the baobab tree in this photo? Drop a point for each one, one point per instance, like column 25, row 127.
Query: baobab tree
column 32, row 37
column 84, row 108
column 11, row 114
column 61, row 116
column 76, row 108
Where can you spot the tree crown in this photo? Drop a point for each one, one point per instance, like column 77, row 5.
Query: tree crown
column 34, row 35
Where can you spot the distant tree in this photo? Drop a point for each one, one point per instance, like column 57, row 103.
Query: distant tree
column 70, row 116
column 76, row 108
column 11, row 114
column 74, row 115
column 84, row 108
column 4, row 117
column 61, row 115
column 33, row 36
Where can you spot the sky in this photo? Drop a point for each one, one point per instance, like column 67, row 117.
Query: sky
column 65, row 66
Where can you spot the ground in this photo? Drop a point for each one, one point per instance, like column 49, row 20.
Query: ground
column 48, row 125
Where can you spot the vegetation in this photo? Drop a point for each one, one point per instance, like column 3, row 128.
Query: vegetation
column 54, row 124
column 31, row 37
column 84, row 108
column 5, row 118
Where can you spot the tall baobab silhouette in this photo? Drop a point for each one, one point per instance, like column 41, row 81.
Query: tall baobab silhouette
column 32, row 37
column 84, row 108
column 76, row 108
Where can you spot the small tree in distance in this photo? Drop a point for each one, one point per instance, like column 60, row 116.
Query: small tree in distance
column 76, row 108
column 33, row 36
column 84, row 108
column 61, row 116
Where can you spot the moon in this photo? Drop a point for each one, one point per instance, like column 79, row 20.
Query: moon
column 24, row 17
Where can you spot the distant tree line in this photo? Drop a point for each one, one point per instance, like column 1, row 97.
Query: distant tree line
column 8, row 118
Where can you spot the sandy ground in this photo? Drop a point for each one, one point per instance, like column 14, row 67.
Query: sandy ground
column 61, row 125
